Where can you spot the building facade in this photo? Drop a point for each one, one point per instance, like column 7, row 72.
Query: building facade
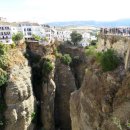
column 5, row 34
column 30, row 29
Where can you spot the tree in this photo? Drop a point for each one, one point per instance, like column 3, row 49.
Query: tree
column 36, row 37
column 109, row 60
column 76, row 37
column 17, row 37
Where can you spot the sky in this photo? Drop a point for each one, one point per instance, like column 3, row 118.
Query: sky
column 44, row 11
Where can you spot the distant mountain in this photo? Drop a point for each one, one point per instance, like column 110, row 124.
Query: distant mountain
column 123, row 22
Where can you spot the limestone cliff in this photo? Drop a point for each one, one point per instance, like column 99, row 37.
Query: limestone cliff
column 19, row 95
column 65, row 84
column 102, row 102
column 41, row 58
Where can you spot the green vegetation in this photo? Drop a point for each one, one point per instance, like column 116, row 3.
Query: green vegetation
column 66, row 59
column 13, row 45
column 36, row 37
column 57, row 54
column 47, row 66
column 3, row 49
column 45, row 39
column 3, row 61
column 76, row 37
column 91, row 51
column 3, row 77
column 17, row 37
column 34, row 117
column 109, row 60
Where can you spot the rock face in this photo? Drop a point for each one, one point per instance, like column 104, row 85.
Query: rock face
column 118, row 44
column 43, row 84
column 19, row 98
column 65, row 84
column 102, row 102
column 47, row 105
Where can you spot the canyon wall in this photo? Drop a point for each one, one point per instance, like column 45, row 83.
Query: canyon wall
column 19, row 95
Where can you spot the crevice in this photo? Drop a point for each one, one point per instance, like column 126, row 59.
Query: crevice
column 36, row 79
column 2, row 107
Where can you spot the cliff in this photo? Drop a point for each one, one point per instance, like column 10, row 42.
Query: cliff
column 18, row 95
column 63, row 88
column 65, row 84
column 102, row 102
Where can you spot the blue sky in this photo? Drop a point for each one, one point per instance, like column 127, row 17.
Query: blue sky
column 64, row 10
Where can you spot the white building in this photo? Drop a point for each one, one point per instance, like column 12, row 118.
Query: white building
column 93, row 38
column 5, row 34
column 63, row 35
column 86, row 36
column 50, row 32
column 28, row 29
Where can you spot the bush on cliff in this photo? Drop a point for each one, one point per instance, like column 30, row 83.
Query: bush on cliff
column 3, row 55
column 66, row 59
column 3, row 49
column 109, row 60
column 47, row 66
column 3, row 77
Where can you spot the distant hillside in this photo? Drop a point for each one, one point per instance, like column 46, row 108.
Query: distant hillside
column 124, row 22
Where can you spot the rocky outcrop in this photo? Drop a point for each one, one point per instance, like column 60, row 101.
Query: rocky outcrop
column 102, row 102
column 43, row 84
column 120, row 44
column 47, row 104
column 65, row 84
column 19, row 96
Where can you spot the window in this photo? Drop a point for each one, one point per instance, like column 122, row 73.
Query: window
column 24, row 29
column 29, row 33
column 28, row 29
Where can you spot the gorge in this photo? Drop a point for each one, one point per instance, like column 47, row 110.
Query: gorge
column 46, row 92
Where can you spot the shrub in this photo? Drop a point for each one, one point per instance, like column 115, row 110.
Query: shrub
column 33, row 117
column 58, row 55
column 3, row 61
column 13, row 45
column 3, row 49
column 36, row 37
column 3, row 77
column 66, row 59
column 91, row 50
column 47, row 66
column 109, row 60
column 17, row 37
